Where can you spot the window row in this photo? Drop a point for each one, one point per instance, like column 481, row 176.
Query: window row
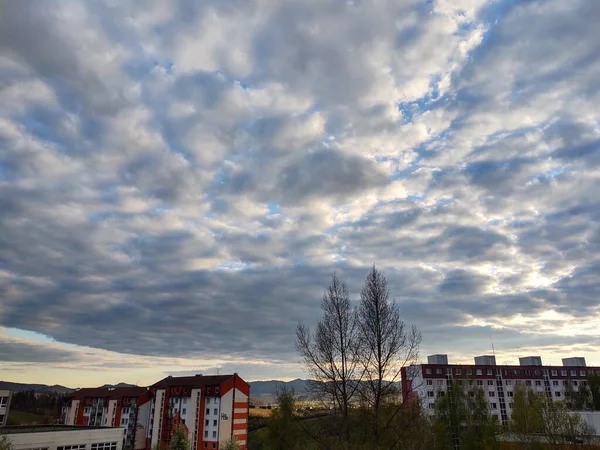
column 214, row 434
column 554, row 372
column 207, row 422
column 71, row 447
column 105, row 446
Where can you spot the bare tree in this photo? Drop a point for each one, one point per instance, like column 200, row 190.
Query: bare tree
column 330, row 353
column 387, row 345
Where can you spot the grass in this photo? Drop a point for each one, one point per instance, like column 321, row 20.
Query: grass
column 260, row 412
column 24, row 418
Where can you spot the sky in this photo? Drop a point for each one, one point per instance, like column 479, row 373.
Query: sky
column 179, row 179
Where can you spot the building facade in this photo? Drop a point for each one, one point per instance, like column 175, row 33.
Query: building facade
column 63, row 437
column 427, row 382
column 212, row 409
column 106, row 407
column 5, row 397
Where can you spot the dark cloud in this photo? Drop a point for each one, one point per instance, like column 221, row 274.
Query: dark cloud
column 11, row 351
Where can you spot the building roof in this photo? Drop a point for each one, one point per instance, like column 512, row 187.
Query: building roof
column 19, row 429
column 106, row 392
column 194, row 381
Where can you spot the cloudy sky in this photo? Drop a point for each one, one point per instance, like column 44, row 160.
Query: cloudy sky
column 178, row 179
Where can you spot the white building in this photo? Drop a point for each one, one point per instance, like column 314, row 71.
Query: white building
column 64, row 437
column 427, row 382
column 5, row 397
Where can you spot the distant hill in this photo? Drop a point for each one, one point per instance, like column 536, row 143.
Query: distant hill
column 39, row 388
column 119, row 385
column 258, row 388
column 45, row 389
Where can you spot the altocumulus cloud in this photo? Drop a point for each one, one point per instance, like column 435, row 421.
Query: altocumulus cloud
column 181, row 179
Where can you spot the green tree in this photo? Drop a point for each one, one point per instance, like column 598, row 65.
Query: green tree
column 5, row 443
column 462, row 420
column 284, row 431
column 594, row 385
column 539, row 421
column 179, row 441
column 231, row 444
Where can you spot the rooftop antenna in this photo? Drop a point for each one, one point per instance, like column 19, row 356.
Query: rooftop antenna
column 218, row 371
column 492, row 338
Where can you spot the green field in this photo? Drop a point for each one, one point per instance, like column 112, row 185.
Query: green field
column 24, row 418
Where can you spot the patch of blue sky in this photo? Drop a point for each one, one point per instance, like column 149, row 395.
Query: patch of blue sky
column 232, row 266
column 274, row 209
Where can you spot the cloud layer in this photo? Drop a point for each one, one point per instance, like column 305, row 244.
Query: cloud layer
column 181, row 179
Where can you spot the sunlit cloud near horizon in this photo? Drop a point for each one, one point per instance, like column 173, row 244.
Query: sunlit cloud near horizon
column 178, row 181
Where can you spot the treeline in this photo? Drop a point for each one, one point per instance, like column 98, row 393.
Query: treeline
column 40, row 404
column 355, row 356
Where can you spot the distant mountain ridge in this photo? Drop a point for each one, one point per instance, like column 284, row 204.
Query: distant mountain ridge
column 257, row 388
column 38, row 388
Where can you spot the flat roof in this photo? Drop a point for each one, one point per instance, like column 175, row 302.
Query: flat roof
column 17, row 429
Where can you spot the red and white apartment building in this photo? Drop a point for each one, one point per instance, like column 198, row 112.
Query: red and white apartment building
column 212, row 409
column 427, row 382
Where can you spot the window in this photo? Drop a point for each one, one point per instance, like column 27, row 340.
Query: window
column 216, row 411
column 509, row 393
column 582, row 373
column 440, row 382
column 564, row 383
column 494, row 406
column 478, row 372
column 206, row 422
column 206, row 445
column 448, row 371
column 469, row 371
column 214, row 434
column 479, row 382
column 519, row 382
column 471, row 394
column 430, row 405
column 208, row 411
column 438, row 371
column 555, row 383
column 459, row 383
column 563, row 373
column 492, row 394
column 538, row 383
column 528, row 383
column 575, row 383
column 573, row 373
column 214, row 423
column 429, row 382
column 470, row 382
column 489, row 372
column 185, row 401
column 206, row 434
column 72, row 447
column 554, row 373
column 429, row 393
column 86, row 410
column 517, row 372
column 441, row 393
column 458, row 372
column 557, row 394
column 214, row 445
column 428, row 371
column 105, row 446
column 208, row 400
column 510, row 405
column 508, row 382
column 183, row 411
column 122, row 421
column 490, row 382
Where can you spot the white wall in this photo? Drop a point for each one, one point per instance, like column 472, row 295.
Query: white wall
column 142, row 423
column 72, row 414
column 156, row 419
column 52, row 439
column 5, row 396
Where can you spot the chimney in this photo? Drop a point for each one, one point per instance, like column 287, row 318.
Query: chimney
column 531, row 361
column 485, row 360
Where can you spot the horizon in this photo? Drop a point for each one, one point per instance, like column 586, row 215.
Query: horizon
column 179, row 182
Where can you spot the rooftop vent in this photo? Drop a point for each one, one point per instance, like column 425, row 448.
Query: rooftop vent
column 485, row 360
column 437, row 359
column 531, row 361
column 575, row 361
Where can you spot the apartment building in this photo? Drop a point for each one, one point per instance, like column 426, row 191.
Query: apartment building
column 5, row 397
column 106, row 407
column 212, row 409
column 426, row 382
column 63, row 437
